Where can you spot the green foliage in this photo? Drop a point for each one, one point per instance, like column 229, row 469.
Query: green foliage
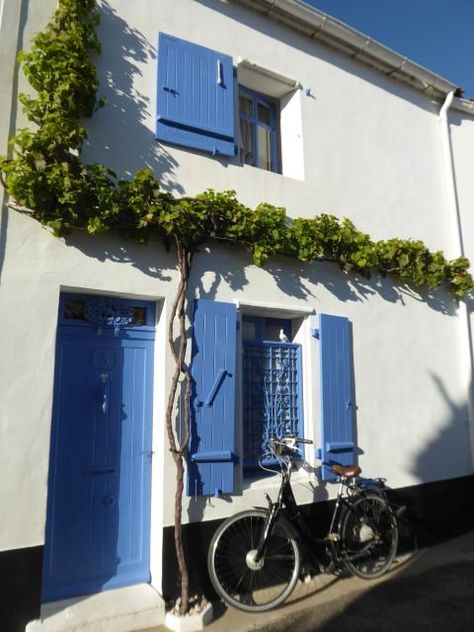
column 47, row 176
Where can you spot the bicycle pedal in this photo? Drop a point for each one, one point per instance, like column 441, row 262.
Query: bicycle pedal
column 307, row 573
column 333, row 537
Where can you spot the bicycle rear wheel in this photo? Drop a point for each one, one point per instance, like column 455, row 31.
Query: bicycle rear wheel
column 237, row 578
column 369, row 536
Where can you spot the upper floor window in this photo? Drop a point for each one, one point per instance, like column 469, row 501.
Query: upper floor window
column 259, row 142
column 196, row 108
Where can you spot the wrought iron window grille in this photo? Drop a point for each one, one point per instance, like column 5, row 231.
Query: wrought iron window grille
column 271, row 394
column 108, row 312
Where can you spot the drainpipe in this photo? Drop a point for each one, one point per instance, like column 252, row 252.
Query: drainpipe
column 450, row 179
column 464, row 307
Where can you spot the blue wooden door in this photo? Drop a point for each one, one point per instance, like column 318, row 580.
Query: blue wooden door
column 98, row 519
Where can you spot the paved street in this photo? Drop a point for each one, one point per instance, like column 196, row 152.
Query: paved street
column 432, row 591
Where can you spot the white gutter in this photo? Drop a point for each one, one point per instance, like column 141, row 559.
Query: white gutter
column 321, row 26
column 464, row 105
column 467, row 350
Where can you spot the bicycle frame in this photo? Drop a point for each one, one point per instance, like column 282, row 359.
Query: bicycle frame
column 286, row 500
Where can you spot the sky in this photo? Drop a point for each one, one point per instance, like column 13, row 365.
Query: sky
column 437, row 34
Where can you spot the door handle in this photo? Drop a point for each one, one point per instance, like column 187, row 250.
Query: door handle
column 104, row 397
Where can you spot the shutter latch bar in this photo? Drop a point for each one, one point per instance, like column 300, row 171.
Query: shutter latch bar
column 219, row 379
column 220, row 80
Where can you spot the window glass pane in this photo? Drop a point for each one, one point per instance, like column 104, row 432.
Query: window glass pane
column 259, row 144
column 264, row 160
column 247, row 142
column 273, row 328
column 139, row 316
column 246, row 105
column 253, row 402
column 264, row 114
column 249, row 330
column 74, row 310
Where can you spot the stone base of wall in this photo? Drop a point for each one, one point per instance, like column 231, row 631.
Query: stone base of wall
column 20, row 587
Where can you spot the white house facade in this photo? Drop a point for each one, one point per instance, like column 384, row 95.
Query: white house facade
column 305, row 113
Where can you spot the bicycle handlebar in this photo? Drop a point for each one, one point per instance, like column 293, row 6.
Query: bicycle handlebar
column 286, row 446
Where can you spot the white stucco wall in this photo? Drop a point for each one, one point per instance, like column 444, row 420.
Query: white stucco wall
column 370, row 150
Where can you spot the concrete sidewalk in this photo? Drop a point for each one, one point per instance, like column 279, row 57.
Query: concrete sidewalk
column 432, row 590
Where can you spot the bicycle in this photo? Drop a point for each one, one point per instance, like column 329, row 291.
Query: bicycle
column 255, row 557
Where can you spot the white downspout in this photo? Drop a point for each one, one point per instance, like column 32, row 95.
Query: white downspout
column 464, row 313
column 450, row 179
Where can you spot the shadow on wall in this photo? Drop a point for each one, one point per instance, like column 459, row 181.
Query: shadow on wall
column 296, row 280
column 124, row 50
column 453, row 444
column 214, row 264
column 450, row 446
column 444, row 507
column 11, row 131
column 154, row 259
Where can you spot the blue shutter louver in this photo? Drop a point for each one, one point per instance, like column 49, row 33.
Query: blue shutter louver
column 337, row 430
column 211, row 453
column 195, row 98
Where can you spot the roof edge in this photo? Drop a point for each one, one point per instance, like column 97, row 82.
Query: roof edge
column 336, row 34
column 464, row 105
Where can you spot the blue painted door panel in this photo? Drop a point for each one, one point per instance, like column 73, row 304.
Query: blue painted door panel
column 97, row 533
column 337, row 431
column 212, row 446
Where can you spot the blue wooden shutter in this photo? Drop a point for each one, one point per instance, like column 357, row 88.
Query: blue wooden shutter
column 337, row 430
column 211, row 451
column 195, row 99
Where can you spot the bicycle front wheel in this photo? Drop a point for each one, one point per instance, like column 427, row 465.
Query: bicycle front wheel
column 369, row 536
column 236, row 576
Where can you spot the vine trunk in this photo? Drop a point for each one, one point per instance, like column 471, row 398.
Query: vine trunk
column 177, row 447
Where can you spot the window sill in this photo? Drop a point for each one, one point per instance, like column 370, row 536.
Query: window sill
column 244, row 165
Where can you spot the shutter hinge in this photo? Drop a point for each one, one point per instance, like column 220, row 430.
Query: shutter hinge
column 172, row 91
